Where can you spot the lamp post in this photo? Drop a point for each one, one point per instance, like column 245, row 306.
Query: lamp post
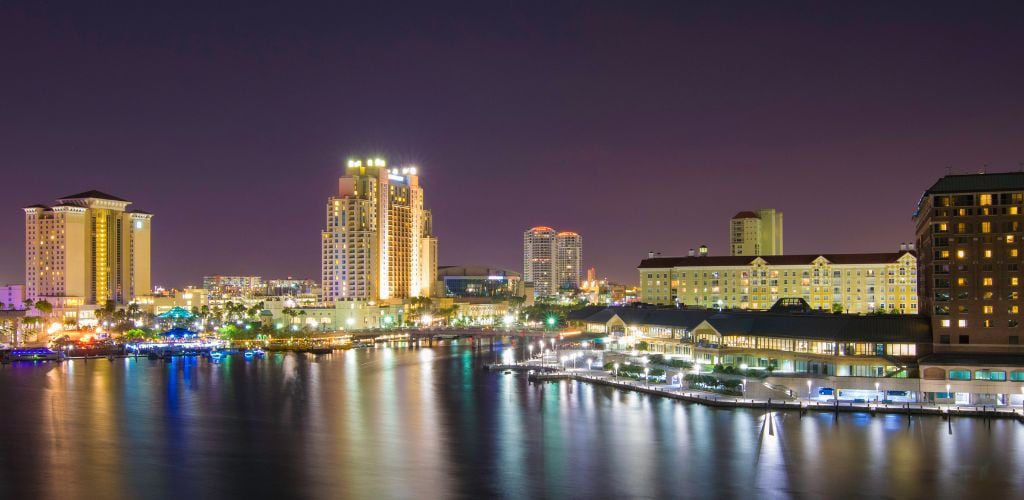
column 680, row 381
column 616, row 371
column 949, row 394
column 647, row 376
column 808, row 390
column 876, row 391
column 530, row 349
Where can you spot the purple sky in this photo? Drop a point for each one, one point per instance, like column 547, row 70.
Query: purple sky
column 640, row 125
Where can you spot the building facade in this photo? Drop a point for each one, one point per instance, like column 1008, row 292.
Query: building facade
column 478, row 281
column 969, row 230
column 569, row 255
column 756, row 233
column 12, row 297
column 552, row 260
column 378, row 243
column 86, row 250
column 233, row 285
column 849, row 283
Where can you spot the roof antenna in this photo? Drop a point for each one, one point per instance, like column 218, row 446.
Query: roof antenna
column 949, row 170
column 984, row 169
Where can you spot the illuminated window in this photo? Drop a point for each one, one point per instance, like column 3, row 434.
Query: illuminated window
column 961, row 281
column 986, row 227
column 960, row 254
column 986, row 281
column 984, row 199
column 962, row 323
column 988, row 254
column 1013, row 252
column 1013, row 310
column 986, row 309
column 1009, row 238
column 945, row 323
column 1014, row 281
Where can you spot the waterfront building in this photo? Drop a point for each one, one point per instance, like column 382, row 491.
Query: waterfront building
column 569, row 254
column 86, row 250
column 12, row 297
column 539, row 253
column 849, row 283
column 969, row 230
column 292, row 287
column 756, row 233
column 478, row 281
column 791, row 341
column 552, row 260
column 378, row 243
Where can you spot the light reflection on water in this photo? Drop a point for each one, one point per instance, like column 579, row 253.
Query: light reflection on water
column 429, row 423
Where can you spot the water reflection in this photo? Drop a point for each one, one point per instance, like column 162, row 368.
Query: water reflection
column 428, row 423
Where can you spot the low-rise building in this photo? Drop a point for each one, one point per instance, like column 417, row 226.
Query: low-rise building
column 12, row 297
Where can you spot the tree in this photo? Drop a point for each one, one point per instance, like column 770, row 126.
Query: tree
column 133, row 336
column 837, row 308
column 44, row 307
column 642, row 345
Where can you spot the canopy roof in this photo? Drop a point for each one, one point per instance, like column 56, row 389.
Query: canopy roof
column 176, row 313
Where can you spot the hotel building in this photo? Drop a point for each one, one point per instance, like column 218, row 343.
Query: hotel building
column 969, row 230
column 849, row 283
column 86, row 250
column 551, row 260
column 378, row 243
column 756, row 233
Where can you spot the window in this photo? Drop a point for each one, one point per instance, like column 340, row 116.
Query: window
column 943, row 339
column 961, row 323
column 945, row 323
column 986, row 281
column 959, row 374
column 960, row 254
column 984, row 199
column 986, row 227
column 988, row 254
column 1017, row 375
column 965, row 339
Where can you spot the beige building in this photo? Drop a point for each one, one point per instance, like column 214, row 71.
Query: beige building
column 756, row 233
column 378, row 243
column 552, row 260
column 186, row 298
column 856, row 283
column 86, row 250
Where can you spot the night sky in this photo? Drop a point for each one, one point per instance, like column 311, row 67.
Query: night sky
column 640, row 125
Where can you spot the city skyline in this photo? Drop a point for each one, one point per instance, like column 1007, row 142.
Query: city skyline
column 872, row 108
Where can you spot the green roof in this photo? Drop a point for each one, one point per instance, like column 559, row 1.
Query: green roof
column 176, row 313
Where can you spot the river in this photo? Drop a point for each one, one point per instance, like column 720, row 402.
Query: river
column 429, row 423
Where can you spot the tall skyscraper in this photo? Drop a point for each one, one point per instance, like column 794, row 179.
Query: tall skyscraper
column 378, row 243
column 969, row 231
column 86, row 250
column 757, row 233
column 570, row 253
column 551, row 260
column 539, row 253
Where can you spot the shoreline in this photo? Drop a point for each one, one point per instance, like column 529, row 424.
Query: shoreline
column 551, row 374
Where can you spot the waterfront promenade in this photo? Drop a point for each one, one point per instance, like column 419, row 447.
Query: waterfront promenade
column 553, row 372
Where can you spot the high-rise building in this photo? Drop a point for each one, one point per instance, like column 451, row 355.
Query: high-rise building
column 850, row 283
column 756, row 233
column 969, row 231
column 86, row 250
column 539, row 253
column 233, row 286
column 378, row 243
column 569, row 249
column 551, row 260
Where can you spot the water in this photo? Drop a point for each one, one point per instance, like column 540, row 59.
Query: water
column 428, row 423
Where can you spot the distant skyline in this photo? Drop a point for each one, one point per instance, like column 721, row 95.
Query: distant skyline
column 640, row 126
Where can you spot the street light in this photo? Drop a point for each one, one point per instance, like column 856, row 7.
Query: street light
column 616, row 371
column 647, row 377
column 808, row 390
column 530, row 348
column 948, row 393
column 876, row 391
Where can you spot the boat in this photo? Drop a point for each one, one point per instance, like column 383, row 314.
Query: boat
column 216, row 355
column 34, row 354
column 507, row 372
column 320, row 350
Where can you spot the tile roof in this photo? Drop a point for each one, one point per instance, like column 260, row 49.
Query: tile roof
column 745, row 215
column 816, row 326
column 965, row 183
column 92, row 194
column 778, row 260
